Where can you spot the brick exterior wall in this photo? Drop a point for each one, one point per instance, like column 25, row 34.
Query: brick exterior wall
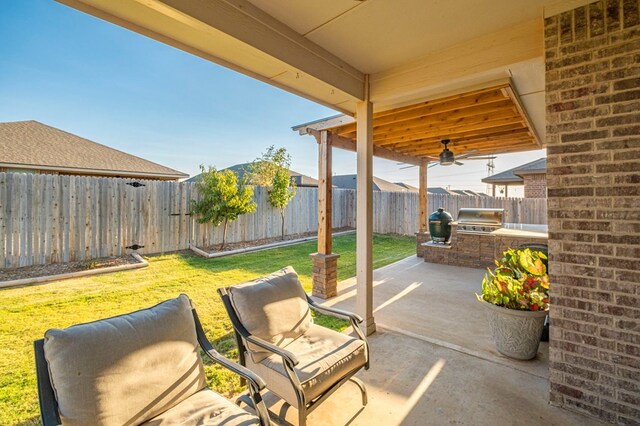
column 592, row 56
column 535, row 186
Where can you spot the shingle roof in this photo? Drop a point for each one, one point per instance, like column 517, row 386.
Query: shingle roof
column 407, row 186
column 513, row 176
column 240, row 169
column 350, row 182
column 534, row 167
column 33, row 145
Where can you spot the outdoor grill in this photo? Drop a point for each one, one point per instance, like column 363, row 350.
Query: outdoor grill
column 479, row 221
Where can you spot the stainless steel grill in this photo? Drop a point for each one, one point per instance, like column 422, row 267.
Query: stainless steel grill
column 479, row 221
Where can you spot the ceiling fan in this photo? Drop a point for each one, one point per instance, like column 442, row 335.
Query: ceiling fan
column 447, row 157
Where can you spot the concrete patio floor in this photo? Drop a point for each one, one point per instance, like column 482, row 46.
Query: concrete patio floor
column 433, row 361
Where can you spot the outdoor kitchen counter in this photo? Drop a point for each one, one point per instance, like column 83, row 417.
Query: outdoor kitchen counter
column 477, row 250
column 522, row 233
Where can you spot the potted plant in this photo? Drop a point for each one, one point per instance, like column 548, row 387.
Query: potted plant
column 516, row 294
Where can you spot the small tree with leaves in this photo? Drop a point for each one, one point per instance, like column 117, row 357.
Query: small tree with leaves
column 272, row 170
column 222, row 198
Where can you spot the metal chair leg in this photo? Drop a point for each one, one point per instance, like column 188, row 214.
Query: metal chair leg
column 363, row 389
column 302, row 416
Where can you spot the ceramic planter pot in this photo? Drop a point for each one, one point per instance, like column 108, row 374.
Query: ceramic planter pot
column 516, row 333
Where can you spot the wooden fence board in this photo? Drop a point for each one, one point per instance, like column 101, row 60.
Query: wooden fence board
column 50, row 218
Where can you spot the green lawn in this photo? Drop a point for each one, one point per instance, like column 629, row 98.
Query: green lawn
column 25, row 313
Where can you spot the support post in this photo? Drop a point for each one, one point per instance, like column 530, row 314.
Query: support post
column 364, row 213
column 423, row 226
column 325, row 263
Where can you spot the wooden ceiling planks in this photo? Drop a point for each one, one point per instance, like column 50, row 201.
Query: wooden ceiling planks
column 485, row 121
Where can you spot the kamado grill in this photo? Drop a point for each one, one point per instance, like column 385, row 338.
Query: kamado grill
column 479, row 221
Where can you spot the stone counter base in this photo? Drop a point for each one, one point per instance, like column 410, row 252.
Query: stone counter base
column 475, row 250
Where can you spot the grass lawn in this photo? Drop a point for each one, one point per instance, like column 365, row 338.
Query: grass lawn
column 27, row 312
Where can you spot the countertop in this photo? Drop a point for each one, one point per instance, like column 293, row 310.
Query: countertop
column 507, row 232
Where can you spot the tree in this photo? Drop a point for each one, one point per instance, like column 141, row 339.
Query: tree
column 222, row 198
column 272, row 170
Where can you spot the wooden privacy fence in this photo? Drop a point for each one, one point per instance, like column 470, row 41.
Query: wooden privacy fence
column 56, row 218
column 397, row 212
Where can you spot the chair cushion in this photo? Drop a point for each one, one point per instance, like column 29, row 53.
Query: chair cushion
column 325, row 356
column 205, row 408
column 125, row 369
column 273, row 308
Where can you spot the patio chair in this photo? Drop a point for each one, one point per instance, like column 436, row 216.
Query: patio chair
column 301, row 362
column 139, row 368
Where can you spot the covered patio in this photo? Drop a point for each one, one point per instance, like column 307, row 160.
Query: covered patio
column 556, row 73
column 433, row 361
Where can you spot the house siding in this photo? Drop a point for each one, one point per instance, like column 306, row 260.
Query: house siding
column 592, row 57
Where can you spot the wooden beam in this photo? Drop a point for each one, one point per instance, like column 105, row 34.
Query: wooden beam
column 435, row 117
column 448, row 129
column 457, row 138
column 364, row 214
column 325, row 239
column 433, row 107
column 245, row 22
column 493, row 128
column 340, row 142
column 423, row 224
column 523, row 113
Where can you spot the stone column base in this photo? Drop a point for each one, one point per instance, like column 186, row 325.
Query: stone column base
column 325, row 275
column 421, row 237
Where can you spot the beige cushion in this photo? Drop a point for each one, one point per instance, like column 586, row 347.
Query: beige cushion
column 205, row 408
column 125, row 369
column 325, row 356
column 273, row 308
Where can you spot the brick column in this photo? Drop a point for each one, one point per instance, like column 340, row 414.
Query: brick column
column 592, row 56
column 421, row 237
column 325, row 275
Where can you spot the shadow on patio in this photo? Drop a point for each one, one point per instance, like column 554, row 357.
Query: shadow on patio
column 433, row 361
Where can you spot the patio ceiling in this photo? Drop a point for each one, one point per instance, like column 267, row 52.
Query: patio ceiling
column 483, row 121
column 411, row 50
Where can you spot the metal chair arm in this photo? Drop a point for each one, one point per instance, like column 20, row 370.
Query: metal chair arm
column 256, row 384
column 334, row 311
column 286, row 355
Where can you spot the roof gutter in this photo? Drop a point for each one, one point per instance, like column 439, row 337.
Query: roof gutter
column 94, row 171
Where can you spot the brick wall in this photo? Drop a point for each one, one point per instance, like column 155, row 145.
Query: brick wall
column 592, row 56
column 535, row 186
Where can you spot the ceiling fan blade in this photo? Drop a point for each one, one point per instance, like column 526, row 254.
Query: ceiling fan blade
column 457, row 163
column 433, row 165
column 408, row 167
column 481, row 158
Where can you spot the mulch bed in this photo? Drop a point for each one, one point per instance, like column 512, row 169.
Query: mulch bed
column 63, row 268
column 264, row 241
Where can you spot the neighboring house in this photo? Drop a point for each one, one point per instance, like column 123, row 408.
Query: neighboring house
column 407, row 186
column 298, row 179
column 532, row 175
column 444, row 191
column 33, row 147
column 350, row 182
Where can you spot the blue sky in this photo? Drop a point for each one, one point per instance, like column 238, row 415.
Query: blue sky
column 102, row 82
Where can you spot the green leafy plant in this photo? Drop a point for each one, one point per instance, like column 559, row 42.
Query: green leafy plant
column 222, row 199
column 519, row 281
column 271, row 169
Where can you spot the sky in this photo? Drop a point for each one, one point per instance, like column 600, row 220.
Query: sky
column 102, row 82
